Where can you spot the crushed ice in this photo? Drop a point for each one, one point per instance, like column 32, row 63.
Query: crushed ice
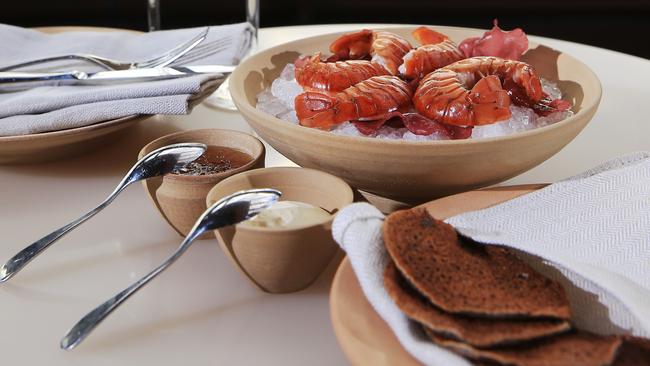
column 278, row 100
column 551, row 88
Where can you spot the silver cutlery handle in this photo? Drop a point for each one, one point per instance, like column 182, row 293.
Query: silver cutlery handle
column 12, row 81
column 99, row 61
column 15, row 77
column 16, row 81
column 20, row 260
column 91, row 320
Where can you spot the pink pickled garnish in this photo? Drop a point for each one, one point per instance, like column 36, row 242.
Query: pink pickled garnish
column 333, row 58
column 459, row 132
column 547, row 106
column 415, row 122
column 368, row 127
column 496, row 42
column 467, row 46
column 560, row 104
column 421, row 125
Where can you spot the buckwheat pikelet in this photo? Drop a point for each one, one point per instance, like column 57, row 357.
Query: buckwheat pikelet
column 479, row 332
column 634, row 352
column 571, row 349
column 467, row 278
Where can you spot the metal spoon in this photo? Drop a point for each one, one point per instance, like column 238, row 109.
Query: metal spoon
column 157, row 162
column 228, row 211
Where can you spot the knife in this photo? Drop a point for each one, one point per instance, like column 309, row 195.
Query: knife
column 15, row 81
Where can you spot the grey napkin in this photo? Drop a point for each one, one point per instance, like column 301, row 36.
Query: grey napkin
column 55, row 108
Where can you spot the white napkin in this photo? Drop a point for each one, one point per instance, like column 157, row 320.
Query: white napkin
column 357, row 229
column 55, row 108
column 591, row 232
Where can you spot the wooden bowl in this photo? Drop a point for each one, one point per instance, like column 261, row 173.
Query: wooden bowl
column 414, row 171
column 283, row 260
column 180, row 199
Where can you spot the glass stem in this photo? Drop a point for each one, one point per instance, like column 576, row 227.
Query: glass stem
column 153, row 15
column 253, row 18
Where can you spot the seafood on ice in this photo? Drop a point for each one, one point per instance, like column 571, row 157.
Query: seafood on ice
column 386, row 48
column 372, row 99
column 314, row 74
column 377, row 84
column 437, row 51
column 471, row 91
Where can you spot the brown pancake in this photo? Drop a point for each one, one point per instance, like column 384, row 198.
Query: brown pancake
column 570, row 349
column 479, row 332
column 634, row 352
column 463, row 277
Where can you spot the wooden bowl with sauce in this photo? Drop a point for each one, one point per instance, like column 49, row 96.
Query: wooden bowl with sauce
column 180, row 197
column 290, row 256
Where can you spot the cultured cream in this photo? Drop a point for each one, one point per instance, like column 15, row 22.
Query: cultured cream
column 288, row 215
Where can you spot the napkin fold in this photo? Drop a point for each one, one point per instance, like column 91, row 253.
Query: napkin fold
column 54, row 108
column 591, row 232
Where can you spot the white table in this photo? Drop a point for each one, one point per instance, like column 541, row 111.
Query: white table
column 202, row 311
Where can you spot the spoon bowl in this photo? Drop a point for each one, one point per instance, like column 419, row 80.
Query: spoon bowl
column 163, row 161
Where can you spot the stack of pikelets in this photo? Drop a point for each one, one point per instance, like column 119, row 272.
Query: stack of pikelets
column 486, row 304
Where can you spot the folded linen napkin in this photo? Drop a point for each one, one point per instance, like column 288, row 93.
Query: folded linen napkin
column 54, row 108
column 591, row 232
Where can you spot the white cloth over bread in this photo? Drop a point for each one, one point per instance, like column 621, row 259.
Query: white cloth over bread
column 591, row 232
column 595, row 229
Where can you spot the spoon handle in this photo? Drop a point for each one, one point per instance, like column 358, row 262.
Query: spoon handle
column 20, row 260
column 91, row 320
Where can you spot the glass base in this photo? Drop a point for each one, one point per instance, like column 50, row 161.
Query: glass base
column 221, row 97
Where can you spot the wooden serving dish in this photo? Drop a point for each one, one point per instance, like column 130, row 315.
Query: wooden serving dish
column 416, row 171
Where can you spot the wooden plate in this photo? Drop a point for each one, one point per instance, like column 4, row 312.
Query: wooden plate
column 364, row 337
column 49, row 146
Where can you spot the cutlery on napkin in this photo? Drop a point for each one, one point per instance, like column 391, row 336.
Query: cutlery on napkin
column 50, row 108
column 590, row 232
column 16, row 81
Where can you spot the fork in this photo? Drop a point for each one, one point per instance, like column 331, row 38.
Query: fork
column 110, row 64
column 203, row 50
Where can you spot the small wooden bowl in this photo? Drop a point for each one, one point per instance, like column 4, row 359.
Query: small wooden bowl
column 283, row 260
column 180, row 199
